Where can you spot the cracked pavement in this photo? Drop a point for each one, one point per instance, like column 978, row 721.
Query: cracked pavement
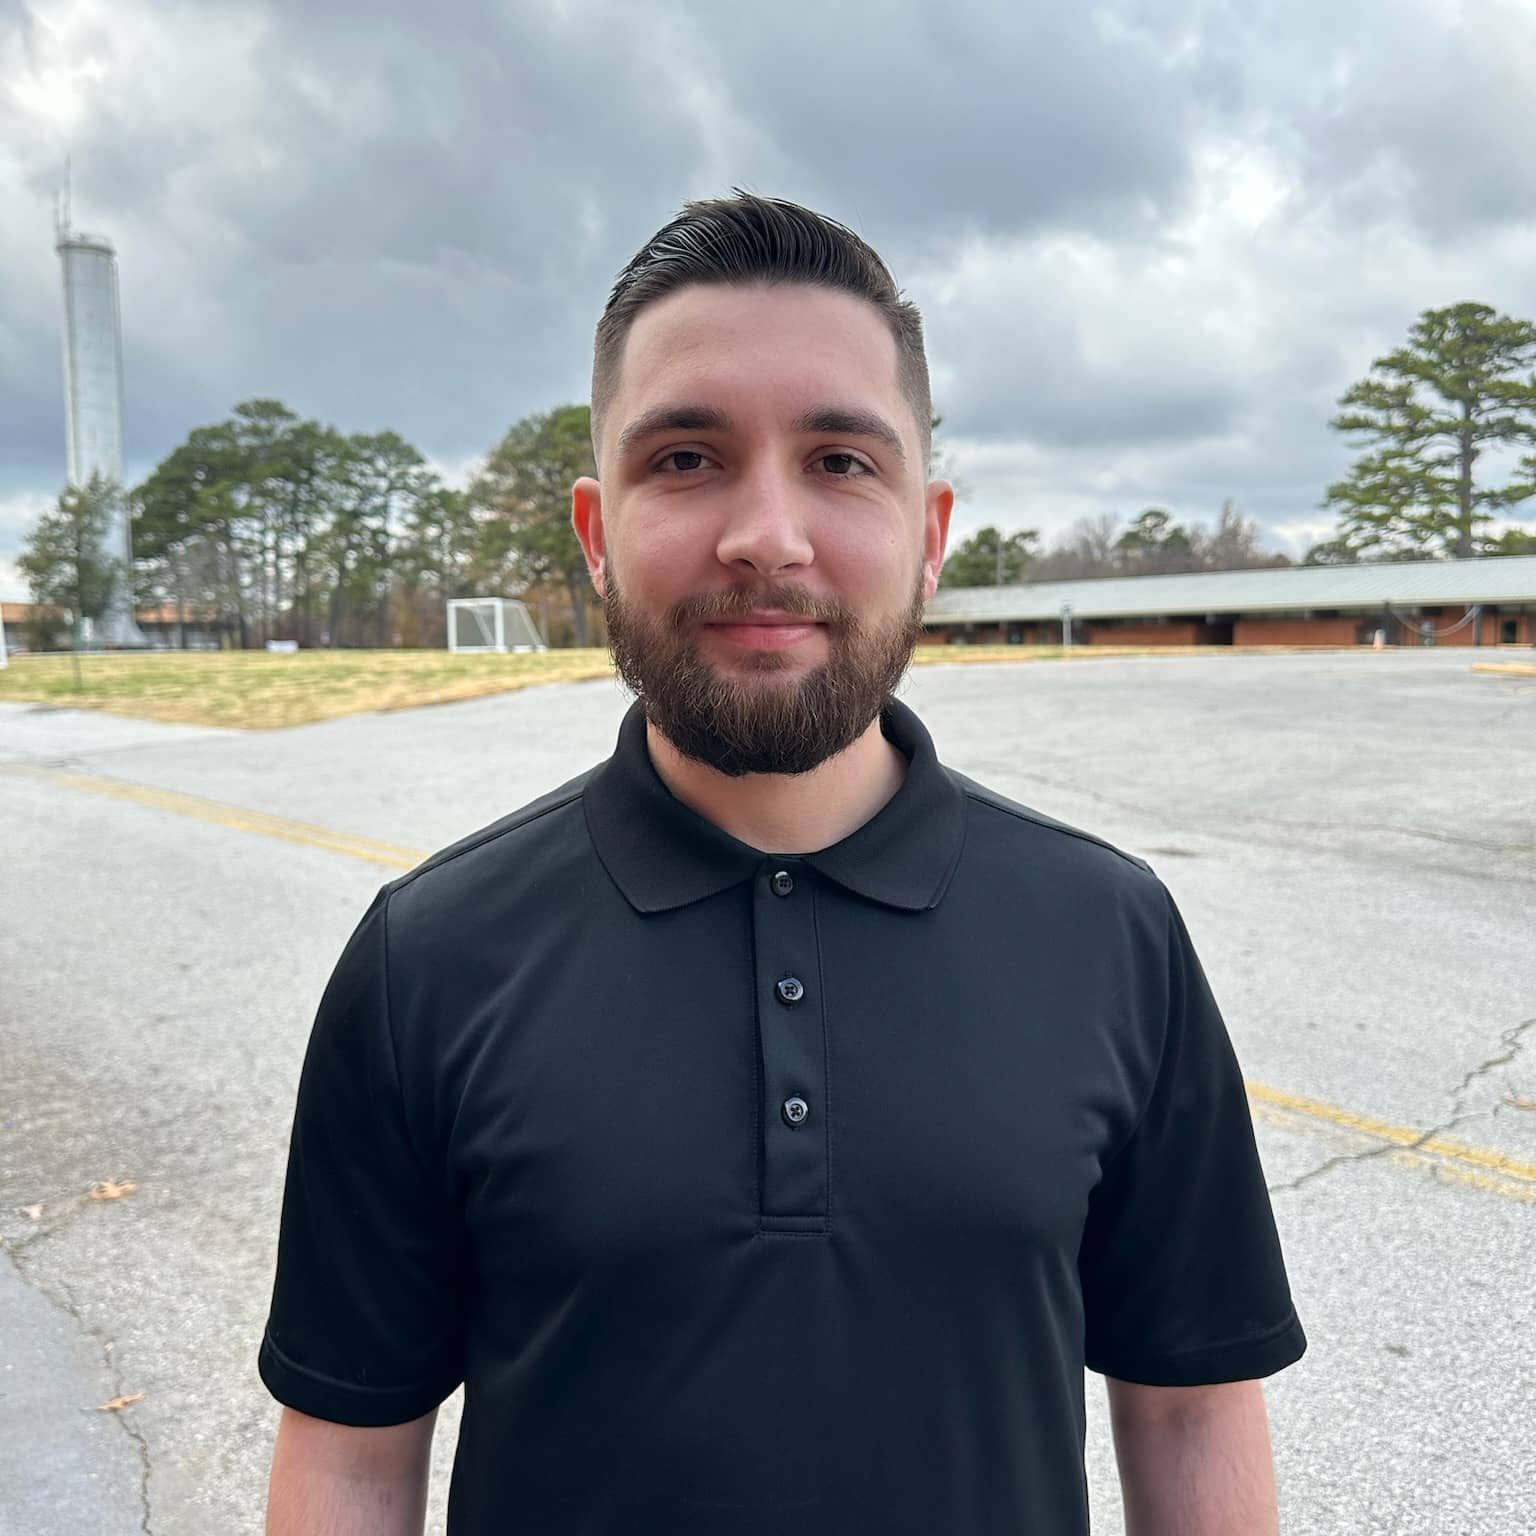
column 1510, row 1040
column 1351, row 841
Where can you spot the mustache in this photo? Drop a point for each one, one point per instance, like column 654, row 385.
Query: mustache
column 718, row 607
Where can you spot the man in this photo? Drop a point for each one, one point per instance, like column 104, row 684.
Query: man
column 768, row 1125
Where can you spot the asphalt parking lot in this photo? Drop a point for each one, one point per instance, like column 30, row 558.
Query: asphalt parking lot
column 1351, row 838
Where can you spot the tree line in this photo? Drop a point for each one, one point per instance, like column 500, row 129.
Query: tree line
column 268, row 526
column 1151, row 544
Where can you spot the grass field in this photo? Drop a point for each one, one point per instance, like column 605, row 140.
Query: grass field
column 257, row 690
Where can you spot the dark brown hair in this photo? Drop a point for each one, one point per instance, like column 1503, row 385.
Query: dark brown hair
column 749, row 239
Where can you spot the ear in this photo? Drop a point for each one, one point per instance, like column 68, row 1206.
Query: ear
column 939, row 503
column 587, row 520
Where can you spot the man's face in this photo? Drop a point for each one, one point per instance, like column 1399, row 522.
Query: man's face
column 759, row 459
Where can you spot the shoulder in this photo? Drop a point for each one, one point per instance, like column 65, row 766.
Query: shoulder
column 1015, row 837
column 1022, row 823
column 496, row 864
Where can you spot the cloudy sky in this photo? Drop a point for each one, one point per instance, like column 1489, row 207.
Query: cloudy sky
column 1153, row 239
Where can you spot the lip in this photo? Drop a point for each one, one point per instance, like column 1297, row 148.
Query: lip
column 768, row 634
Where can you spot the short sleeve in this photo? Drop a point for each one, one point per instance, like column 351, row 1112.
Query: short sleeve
column 367, row 1314
column 1182, row 1275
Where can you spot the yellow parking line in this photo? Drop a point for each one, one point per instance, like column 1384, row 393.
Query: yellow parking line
column 1495, row 1172
column 1478, row 1166
column 391, row 855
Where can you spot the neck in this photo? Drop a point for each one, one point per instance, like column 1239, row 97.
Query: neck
column 787, row 813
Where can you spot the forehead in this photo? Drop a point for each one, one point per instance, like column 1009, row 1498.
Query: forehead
column 768, row 348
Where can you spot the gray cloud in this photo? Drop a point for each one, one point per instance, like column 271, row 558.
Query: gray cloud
column 1153, row 239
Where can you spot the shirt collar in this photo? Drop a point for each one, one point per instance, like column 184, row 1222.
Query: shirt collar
column 663, row 854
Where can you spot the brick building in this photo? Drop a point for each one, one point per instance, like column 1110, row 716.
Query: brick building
column 1436, row 602
column 31, row 627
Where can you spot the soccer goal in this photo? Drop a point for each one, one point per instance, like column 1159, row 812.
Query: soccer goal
column 492, row 624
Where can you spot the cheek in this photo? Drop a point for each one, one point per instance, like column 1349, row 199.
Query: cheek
column 863, row 563
column 661, row 558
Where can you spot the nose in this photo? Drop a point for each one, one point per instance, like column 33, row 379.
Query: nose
column 767, row 522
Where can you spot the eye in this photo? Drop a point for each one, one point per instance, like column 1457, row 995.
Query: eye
column 844, row 466
column 684, row 461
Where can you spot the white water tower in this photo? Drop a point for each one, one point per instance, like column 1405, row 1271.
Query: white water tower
column 93, row 396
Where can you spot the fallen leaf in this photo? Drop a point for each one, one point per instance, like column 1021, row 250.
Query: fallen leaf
column 34, row 1211
column 119, row 1402
column 1518, row 1102
column 110, row 1189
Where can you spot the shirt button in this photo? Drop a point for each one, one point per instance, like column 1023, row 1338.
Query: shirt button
column 783, row 883
column 795, row 1110
column 790, row 990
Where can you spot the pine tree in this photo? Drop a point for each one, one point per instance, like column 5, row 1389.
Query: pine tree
column 1427, row 412
column 65, row 558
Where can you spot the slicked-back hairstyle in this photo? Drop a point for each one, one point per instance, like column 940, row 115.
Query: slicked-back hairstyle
column 749, row 239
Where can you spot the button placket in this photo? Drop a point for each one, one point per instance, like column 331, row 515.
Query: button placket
column 791, row 1024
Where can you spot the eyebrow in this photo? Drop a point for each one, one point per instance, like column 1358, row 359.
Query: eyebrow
column 672, row 418
column 842, row 420
column 851, row 421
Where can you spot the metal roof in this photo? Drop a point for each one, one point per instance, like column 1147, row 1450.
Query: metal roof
column 1368, row 587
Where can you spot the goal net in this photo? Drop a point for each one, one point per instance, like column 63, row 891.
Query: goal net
column 492, row 624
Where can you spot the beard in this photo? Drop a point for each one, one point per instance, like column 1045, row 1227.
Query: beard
column 768, row 714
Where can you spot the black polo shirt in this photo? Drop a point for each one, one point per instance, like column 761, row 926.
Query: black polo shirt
column 750, row 1193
